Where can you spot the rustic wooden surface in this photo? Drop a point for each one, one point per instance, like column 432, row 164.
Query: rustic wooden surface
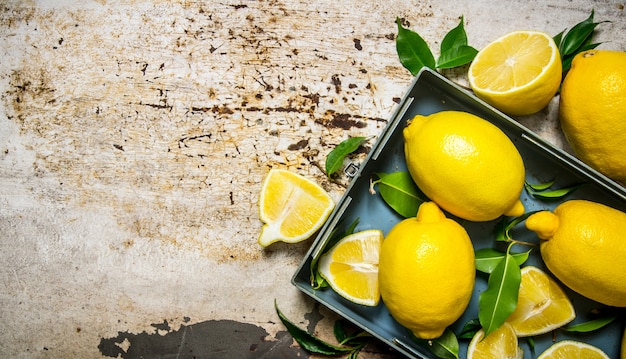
column 134, row 137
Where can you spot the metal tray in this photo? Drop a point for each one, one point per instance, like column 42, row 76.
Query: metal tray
column 429, row 93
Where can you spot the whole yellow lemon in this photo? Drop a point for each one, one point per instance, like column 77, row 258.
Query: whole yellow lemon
column 465, row 164
column 426, row 271
column 592, row 110
column 582, row 244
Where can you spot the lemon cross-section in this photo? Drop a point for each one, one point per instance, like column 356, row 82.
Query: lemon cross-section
column 572, row 349
column 292, row 207
column 502, row 343
column 519, row 73
column 542, row 305
column 351, row 267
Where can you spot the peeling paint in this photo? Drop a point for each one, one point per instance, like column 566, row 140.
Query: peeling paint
column 104, row 117
column 210, row 339
column 134, row 137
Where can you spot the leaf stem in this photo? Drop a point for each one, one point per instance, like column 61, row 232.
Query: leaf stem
column 372, row 184
column 524, row 243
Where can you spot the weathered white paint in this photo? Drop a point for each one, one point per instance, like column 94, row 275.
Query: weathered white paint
column 134, row 137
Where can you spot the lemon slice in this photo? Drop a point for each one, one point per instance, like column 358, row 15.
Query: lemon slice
column 542, row 305
column 501, row 343
column 519, row 73
column 292, row 207
column 351, row 267
column 572, row 349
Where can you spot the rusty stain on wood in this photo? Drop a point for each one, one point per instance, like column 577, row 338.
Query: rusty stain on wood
column 135, row 137
column 159, row 126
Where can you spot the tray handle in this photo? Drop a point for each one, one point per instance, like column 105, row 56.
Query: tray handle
column 391, row 127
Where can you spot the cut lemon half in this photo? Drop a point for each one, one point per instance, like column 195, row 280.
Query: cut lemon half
column 501, row 343
column 292, row 207
column 351, row 267
column 572, row 349
column 542, row 305
column 519, row 73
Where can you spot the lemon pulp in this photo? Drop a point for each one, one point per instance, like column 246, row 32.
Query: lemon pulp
column 542, row 305
column 292, row 207
column 519, row 73
column 351, row 267
column 572, row 349
column 502, row 343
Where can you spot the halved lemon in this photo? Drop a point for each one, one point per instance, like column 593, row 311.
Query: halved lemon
column 292, row 207
column 572, row 349
column 351, row 267
column 501, row 343
column 542, row 305
column 519, row 73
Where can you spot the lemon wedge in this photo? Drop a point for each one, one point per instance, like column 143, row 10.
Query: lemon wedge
column 501, row 343
column 292, row 207
column 351, row 267
column 542, row 305
column 519, row 73
column 572, row 349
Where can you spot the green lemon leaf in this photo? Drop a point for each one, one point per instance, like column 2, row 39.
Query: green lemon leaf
column 445, row 347
column 455, row 57
column 504, row 227
column 538, row 186
column 555, row 194
column 501, row 230
column 412, row 50
column 356, row 341
column 576, row 37
column 540, row 191
column 558, row 38
column 454, row 38
column 590, row 325
column 339, row 331
column 567, row 61
column 354, row 354
column 400, row 192
column 334, row 160
column 576, row 40
column 488, row 258
column 308, row 341
column 317, row 281
column 469, row 329
column 573, row 39
column 499, row 300
column 454, row 50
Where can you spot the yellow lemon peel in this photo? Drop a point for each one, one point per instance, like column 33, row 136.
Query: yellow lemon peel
column 435, row 252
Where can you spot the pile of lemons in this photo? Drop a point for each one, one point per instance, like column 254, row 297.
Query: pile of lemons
column 469, row 168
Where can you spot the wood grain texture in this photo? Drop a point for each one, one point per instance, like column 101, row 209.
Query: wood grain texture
column 134, row 138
